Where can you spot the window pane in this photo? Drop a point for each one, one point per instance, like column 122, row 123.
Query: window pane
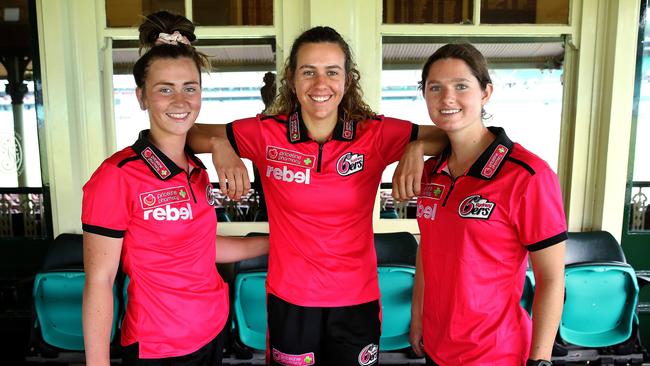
column 525, row 11
column 233, row 12
column 128, row 13
column 526, row 102
column 427, row 11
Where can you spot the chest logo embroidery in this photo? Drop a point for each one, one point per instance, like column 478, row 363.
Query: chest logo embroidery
column 432, row 190
column 163, row 197
column 284, row 156
column 349, row 163
column 495, row 160
column 476, row 207
column 210, row 195
column 154, row 161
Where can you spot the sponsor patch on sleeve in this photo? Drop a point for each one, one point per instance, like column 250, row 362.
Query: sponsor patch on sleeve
column 495, row 160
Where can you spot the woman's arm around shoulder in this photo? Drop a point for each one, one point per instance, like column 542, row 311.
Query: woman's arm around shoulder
column 234, row 249
column 233, row 175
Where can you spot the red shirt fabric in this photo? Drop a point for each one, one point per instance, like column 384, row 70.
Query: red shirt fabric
column 476, row 232
column 177, row 302
column 320, row 200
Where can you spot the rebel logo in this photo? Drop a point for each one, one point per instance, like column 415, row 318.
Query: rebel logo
column 349, row 163
column 475, row 207
column 493, row 162
column 169, row 213
column 163, row 197
column 426, row 211
column 280, row 155
column 287, row 175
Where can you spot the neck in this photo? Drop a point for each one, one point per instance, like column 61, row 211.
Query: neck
column 320, row 130
column 466, row 147
column 172, row 146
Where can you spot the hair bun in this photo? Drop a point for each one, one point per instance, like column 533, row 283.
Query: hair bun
column 164, row 22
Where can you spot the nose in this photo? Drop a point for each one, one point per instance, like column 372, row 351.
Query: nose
column 320, row 78
column 448, row 94
column 179, row 98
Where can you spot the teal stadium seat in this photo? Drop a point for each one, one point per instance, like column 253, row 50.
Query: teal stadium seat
column 250, row 301
column 58, row 295
column 396, row 254
column 601, row 292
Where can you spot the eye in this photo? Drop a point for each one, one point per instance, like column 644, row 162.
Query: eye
column 308, row 73
column 461, row 87
column 165, row 90
column 190, row 89
column 434, row 88
column 332, row 73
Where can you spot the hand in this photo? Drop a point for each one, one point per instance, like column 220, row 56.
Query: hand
column 408, row 174
column 415, row 337
column 233, row 175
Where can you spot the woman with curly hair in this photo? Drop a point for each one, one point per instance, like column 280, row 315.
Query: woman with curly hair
column 321, row 152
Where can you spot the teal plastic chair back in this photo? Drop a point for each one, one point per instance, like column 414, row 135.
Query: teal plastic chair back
column 529, row 291
column 600, row 304
column 396, row 285
column 250, row 308
column 57, row 302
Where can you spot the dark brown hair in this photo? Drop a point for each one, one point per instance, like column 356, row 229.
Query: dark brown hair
column 464, row 52
column 165, row 22
column 352, row 106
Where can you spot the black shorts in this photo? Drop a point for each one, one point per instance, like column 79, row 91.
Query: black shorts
column 341, row 336
column 429, row 361
column 208, row 355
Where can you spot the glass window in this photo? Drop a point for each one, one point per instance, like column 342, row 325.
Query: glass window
column 128, row 13
column 232, row 12
column 525, row 11
column 427, row 11
column 526, row 102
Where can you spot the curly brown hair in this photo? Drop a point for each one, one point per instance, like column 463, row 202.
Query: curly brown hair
column 352, row 106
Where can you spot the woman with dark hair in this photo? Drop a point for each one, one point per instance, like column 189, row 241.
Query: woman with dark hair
column 486, row 204
column 321, row 152
column 150, row 206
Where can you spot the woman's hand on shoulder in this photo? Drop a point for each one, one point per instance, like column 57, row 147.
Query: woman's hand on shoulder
column 408, row 174
column 233, row 175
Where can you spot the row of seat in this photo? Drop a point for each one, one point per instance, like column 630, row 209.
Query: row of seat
column 599, row 311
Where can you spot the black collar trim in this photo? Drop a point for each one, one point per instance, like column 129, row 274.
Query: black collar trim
column 297, row 130
column 488, row 165
column 159, row 164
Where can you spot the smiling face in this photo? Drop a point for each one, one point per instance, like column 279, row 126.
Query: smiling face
column 319, row 81
column 454, row 96
column 171, row 95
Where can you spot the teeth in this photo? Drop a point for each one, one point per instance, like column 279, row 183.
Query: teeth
column 449, row 111
column 178, row 115
column 320, row 98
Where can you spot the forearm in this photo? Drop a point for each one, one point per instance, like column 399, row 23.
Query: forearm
column 97, row 315
column 547, row 311
column 432, row 140
column 231, row 249
column 417, row 301
column 202, row 138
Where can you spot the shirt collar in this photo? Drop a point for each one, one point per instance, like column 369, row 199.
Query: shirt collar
column 488, row 165
column 159, row 164
column 297, row 130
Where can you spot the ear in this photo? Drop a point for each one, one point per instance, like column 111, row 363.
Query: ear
column 141, row 100
column 487, row 93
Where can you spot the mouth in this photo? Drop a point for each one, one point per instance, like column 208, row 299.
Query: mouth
column 178, row 115
column 447, row 112
column 320, row 98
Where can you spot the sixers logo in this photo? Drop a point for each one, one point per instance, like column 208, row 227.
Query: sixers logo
column 349, row 163
column 368, row 355
column 476, row 207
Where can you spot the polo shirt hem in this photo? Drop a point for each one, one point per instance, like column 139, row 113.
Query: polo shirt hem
column 177, row 354
column 320, row 304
